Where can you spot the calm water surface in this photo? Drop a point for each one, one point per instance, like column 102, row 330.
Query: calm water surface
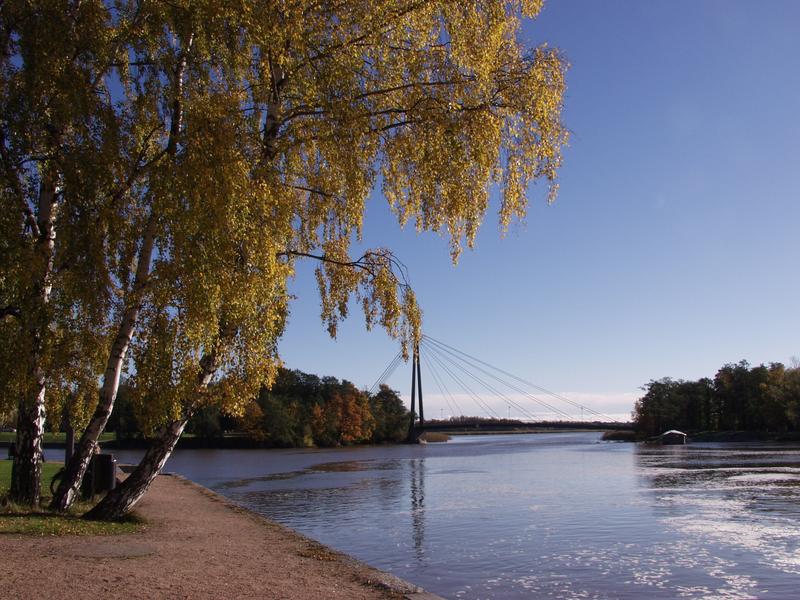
column 553, row 515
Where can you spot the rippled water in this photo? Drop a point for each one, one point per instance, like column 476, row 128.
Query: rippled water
column 553, row 515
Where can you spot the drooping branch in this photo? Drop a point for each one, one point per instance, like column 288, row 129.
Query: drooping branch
column 14, row 179
column 369, row 261
column 10, row 311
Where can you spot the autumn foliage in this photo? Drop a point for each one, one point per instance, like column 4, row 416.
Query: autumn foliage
column 165, row 165
column 305, row 410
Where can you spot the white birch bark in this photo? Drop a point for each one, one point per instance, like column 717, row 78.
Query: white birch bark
column 120, row 501
column 26, row 471
column 70, row 484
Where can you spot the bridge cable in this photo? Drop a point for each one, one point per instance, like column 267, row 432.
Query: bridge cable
column 442, row 387
column 435, row 377
column 489, row 387
column 481, row 404
column 533, row 385
column 554, row 409
column 495, row 391
column 475, row 397
column 557, row 412
column 524, row 381
column 387, row 372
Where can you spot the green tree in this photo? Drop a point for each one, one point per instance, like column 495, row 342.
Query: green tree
column 392, row 418
column 282, row 424
column 762, row 398
column 781, row 398
column 123, row 420
column 660, row 408
column 205, row 424
column 790, row 396
column 739, row 390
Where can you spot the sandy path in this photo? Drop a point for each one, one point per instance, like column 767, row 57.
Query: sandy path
column 195, row 545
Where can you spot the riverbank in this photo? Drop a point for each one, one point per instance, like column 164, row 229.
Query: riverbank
column 744, row 436
column 717, row 437
column 195, row 544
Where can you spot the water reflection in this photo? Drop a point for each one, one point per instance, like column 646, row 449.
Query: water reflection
column 417, row 482
column 739, row 502
column 560, row 516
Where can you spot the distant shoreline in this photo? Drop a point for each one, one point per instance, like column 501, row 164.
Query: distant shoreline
column 744, row 436
column 705, row 437
column 611, row 435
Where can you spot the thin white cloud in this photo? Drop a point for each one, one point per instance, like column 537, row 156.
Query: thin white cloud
column 617, row 405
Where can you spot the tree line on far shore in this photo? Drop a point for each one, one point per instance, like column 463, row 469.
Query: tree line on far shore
column 739, row 398
column 299, row 410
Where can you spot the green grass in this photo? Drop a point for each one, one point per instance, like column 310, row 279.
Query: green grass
column 48, row 470
column 22, row 520
column 47, row 524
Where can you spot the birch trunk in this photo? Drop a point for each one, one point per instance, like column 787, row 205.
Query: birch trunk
column 26, row 472
column 70, row 484
column 69, row 487
column 120, row 501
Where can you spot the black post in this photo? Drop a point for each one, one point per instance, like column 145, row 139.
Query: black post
column 419, row 385
column 413, row 387
column 69, row 444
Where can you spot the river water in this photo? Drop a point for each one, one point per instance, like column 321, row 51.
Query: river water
column 549, row 515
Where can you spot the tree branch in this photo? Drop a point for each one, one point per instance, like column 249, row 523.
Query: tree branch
column 273, row 121
column 368, row 262
column 13, row 177
column 10, row 311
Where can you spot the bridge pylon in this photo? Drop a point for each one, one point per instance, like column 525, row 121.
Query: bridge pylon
column 416, row 387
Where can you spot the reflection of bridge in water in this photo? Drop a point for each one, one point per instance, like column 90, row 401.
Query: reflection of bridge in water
column 474, row 380
column 417, row 480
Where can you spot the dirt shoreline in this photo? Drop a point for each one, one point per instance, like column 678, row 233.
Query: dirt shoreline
column 196, row 544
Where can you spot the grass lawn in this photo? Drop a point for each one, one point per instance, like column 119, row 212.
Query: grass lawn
column 48, row 470
column 14, row 519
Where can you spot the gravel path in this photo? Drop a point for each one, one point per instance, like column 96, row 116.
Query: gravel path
column 196, row 544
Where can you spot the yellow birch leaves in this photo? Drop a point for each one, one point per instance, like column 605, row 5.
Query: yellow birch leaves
column 252, row 134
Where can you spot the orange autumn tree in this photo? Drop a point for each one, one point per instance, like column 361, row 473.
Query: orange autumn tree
column 355, row 418
column 344, row 418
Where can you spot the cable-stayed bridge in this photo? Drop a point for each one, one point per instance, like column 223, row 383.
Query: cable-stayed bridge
column 467, row 383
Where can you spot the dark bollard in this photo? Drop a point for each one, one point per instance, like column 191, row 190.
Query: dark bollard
column 105, row 472
column 69, row 444
column 101, row 476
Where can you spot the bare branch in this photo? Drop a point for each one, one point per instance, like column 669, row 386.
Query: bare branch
column 370, row 261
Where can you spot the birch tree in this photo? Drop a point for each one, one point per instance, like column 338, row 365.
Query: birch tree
column 59, row 153
column 249, row 135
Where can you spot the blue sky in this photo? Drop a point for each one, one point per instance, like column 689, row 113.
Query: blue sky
column 672, row 247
